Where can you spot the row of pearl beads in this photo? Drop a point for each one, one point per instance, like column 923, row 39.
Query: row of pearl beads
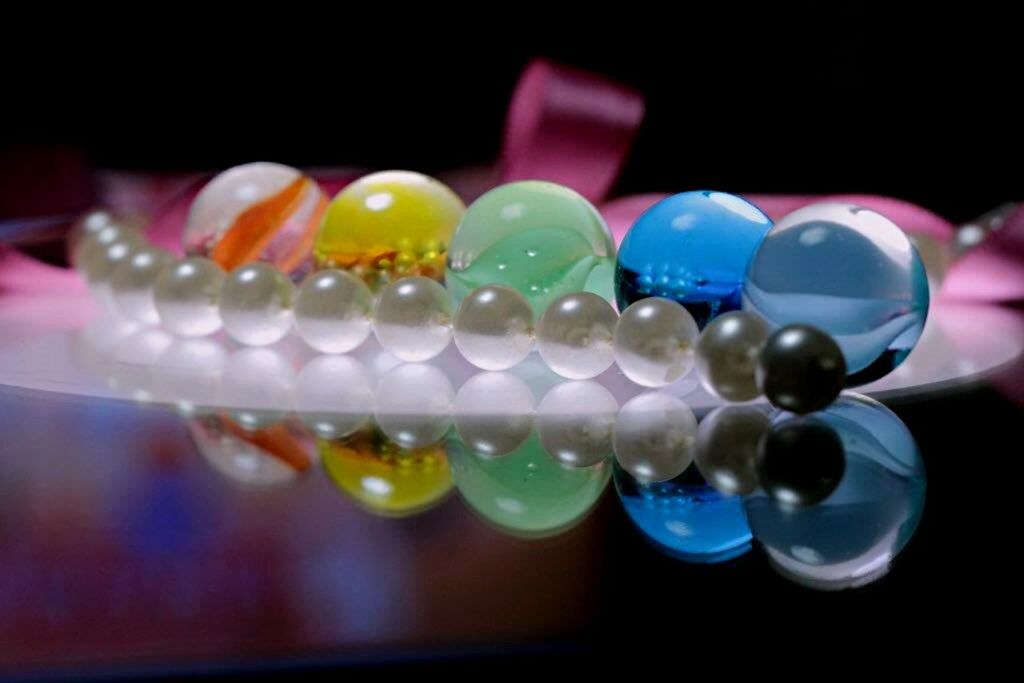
column 579, row 336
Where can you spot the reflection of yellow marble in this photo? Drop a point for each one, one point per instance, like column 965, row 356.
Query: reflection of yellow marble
column 384, row 477
column 389, row 225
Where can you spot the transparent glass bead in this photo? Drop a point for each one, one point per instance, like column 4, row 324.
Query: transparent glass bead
column 654, row 437
column 494, row 327
column 186, row 294
column 654, row 342
column 413, row 318
column 333, row 311
column 104, row 250
column 727, row 354
column 133, row 280
column 575, row 422
column 575, row 334
column 92, row 222
column 256, row 304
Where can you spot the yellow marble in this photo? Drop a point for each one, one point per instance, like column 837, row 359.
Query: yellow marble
column 389, row 225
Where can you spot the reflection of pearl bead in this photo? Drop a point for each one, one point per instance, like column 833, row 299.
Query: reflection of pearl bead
column 185, row 296
column 574, row 336
column 334, row 395
column 494, row 413
column 575, row 422
column 494, row 327
column 654, row 435
column 255, row 304
column 258, row 386
column 728, row 440
column 333, row 310
column 654, row 342
column 413, row 406
column 412, row 319
column 132, row 283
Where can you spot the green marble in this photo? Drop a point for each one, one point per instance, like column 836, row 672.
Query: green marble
column 526, row 492
column 539, row 238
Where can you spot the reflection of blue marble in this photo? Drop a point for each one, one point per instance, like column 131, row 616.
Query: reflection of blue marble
column 692, row 247
column 846, row 270
column 685, row 518
column 851, row 537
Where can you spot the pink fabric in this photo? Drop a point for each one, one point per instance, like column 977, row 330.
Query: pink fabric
column 569, row 127
column 994, row 270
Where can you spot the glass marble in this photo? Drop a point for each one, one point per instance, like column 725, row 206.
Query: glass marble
column 693, row 248
column 654, row 342
column 414, row 404
column 185, row 296
column 800, row 369
column 256, row 304
column 256, row 212
column 494, row 413
column 385, row 478
column 575, row 334
column 727, row 355
column 132, row 282
column 575, row 421
column 852, row 537
column 494, row 327
column 526, row 493
column 413, row 319
column 333, row 311
column 849, row 271
column 685, row 518
column 389, row 225
column 542, row 239
column 654, row 436
column 728, row 447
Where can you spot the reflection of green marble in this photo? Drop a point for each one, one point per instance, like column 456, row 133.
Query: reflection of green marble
column 540, row 238
column 526, row 492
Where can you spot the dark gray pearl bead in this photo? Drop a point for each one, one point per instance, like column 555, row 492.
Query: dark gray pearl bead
column 728, row 444
column 727, row 354
column 801, row 462
column 801, row 369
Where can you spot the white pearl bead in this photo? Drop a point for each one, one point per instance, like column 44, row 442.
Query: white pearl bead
column 412, row 319
column 654, row 437
column 333, row 309
column 133, row 280
column 494, row 413
column 654, row 342
column 574, row 336
column 494, row 327
column 575, row 422
column 185, row 296
column 256, row 304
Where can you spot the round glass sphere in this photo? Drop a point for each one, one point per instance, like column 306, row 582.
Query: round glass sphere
column 654, row 342
column 849, row 271
column 526, row 492
column 383, row 477
column 685, row 518
column 185, row 296
column 102, row 251
column 256, row 212
column 575, row 422
column 852, row 537
column 92, row 222
column 541, row 239
column 333, row 311
column 801, row 369
column 575, row 334
column 494, row 413
column 654, row 435
column 727, row 354
column 132, row 283
column 728, row 447
column 389, row 225
column 256, row 304
column 692, row 247
column 494, row 327
column 413, row 319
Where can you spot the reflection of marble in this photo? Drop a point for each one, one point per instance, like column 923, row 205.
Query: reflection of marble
column 385, row 478
column 851, row 538
column 265, row 456
column 526, row 492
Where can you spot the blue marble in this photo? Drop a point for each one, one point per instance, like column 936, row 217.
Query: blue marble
column 692, row 247
column 685, row 518
column 848, row 271
column 851, row 538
